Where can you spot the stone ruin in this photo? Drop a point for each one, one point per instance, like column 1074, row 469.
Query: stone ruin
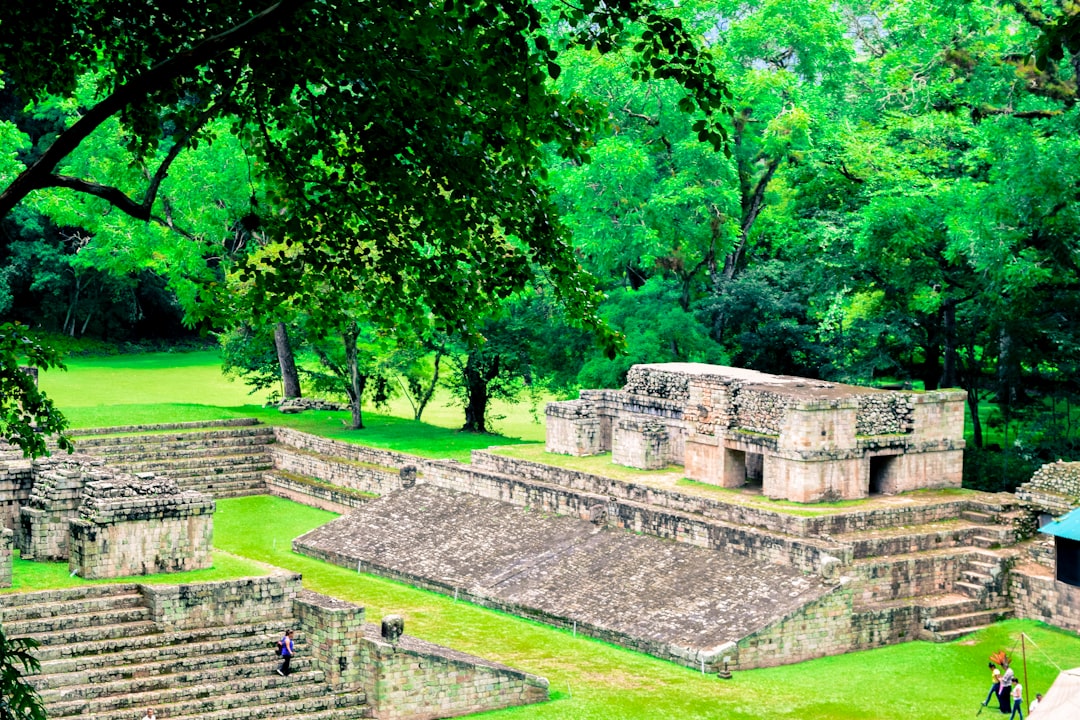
column 105, row 523
column 800, row 439
column 1054, row 489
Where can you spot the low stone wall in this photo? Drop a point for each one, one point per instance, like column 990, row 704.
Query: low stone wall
column 889, row 579
column 817, row 629
column 334, row 630
column 411, row 679
column 140, row 526
column 832, row 524
column 314, row 493
column 347, row 451
column 344, row 474
column 229, row 602
column 7, row 542
column 406, row 678
column 657, row 383
column 760, row 411
column 1036, row 595
column 675, row 525
column 1054, row 488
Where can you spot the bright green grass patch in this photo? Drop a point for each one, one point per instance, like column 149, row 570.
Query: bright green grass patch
column 186, row 387
column 592, row 680
column 593, row 464
column 28, row 575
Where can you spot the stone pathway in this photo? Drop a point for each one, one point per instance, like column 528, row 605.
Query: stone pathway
column 657, row 591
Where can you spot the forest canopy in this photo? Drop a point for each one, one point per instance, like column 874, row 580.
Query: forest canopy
column 869, row 191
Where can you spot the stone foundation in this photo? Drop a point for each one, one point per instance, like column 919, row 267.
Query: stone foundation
column 140, row 526
column 54, row 501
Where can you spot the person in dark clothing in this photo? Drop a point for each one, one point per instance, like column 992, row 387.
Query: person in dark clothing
column 287, row 652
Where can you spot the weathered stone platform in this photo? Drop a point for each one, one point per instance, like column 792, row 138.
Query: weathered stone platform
column 670, row 599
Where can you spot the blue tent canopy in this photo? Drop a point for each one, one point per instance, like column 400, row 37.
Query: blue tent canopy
column 1067, row 527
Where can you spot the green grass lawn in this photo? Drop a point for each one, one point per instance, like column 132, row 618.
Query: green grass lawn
column 181, row 387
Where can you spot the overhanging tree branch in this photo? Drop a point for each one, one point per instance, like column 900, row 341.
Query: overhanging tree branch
column 41, row 173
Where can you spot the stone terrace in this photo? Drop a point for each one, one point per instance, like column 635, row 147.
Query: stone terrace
column 223, row 459
column 669, row 599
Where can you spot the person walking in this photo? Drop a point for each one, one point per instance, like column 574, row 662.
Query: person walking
column 287, row 652
column 995, row 683
column 1018, row 700
column 150, row 715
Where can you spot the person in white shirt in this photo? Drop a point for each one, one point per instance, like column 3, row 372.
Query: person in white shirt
column 1035, row 703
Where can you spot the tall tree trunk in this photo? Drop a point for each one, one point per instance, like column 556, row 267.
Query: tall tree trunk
column 423, row 397
column 290, row 380
column 357, row 380
column 477, row 377
column 950, row 372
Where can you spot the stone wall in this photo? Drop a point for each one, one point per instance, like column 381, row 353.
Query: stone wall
column 817, row 629
column 16, row 479
column 54, row 501
column 405, row 678
column 348, row 451
column 1054, row 488
column 340, row 470
column 315, row 493
column 760, row 411
column 573, row 428
column 334, row 630
column 1036, row 595
column 657, row 383
column 411, row 679
column 140, row 526
column 7, row 542
column 884, row 414
column 641, row 441
column 229, row 602
column 838, row 523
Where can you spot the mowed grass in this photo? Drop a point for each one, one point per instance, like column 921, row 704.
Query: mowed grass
column 589, row 679
column 595, row 680
column 28, row 575
column 183, row 387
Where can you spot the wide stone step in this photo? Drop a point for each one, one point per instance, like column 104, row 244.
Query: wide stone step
column 262, row 433
column 950, row 635
column 964, row 621
column 947, row 604
column 92, row 619
column 351, row 706
column 159, row 453
column 109, row 682
column 970, row 589
column 93, row 634
column 199, row 699
column 900, row 541
column 75, row 607
column 193, row 426
column 152, row 661
column 13, row 600
column 92, row 653
column 195, row 467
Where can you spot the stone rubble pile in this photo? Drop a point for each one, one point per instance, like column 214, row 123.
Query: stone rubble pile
column 1054, row 488
column 885, row 414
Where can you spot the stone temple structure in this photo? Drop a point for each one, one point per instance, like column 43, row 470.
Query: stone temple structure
column 800, row 439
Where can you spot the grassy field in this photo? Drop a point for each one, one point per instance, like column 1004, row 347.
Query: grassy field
column 589, row 679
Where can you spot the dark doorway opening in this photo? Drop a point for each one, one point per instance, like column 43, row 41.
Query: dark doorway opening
column 880, row 468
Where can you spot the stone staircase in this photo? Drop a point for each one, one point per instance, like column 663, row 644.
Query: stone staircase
column 102, row 658
column 951, row 571
column 220, row 461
